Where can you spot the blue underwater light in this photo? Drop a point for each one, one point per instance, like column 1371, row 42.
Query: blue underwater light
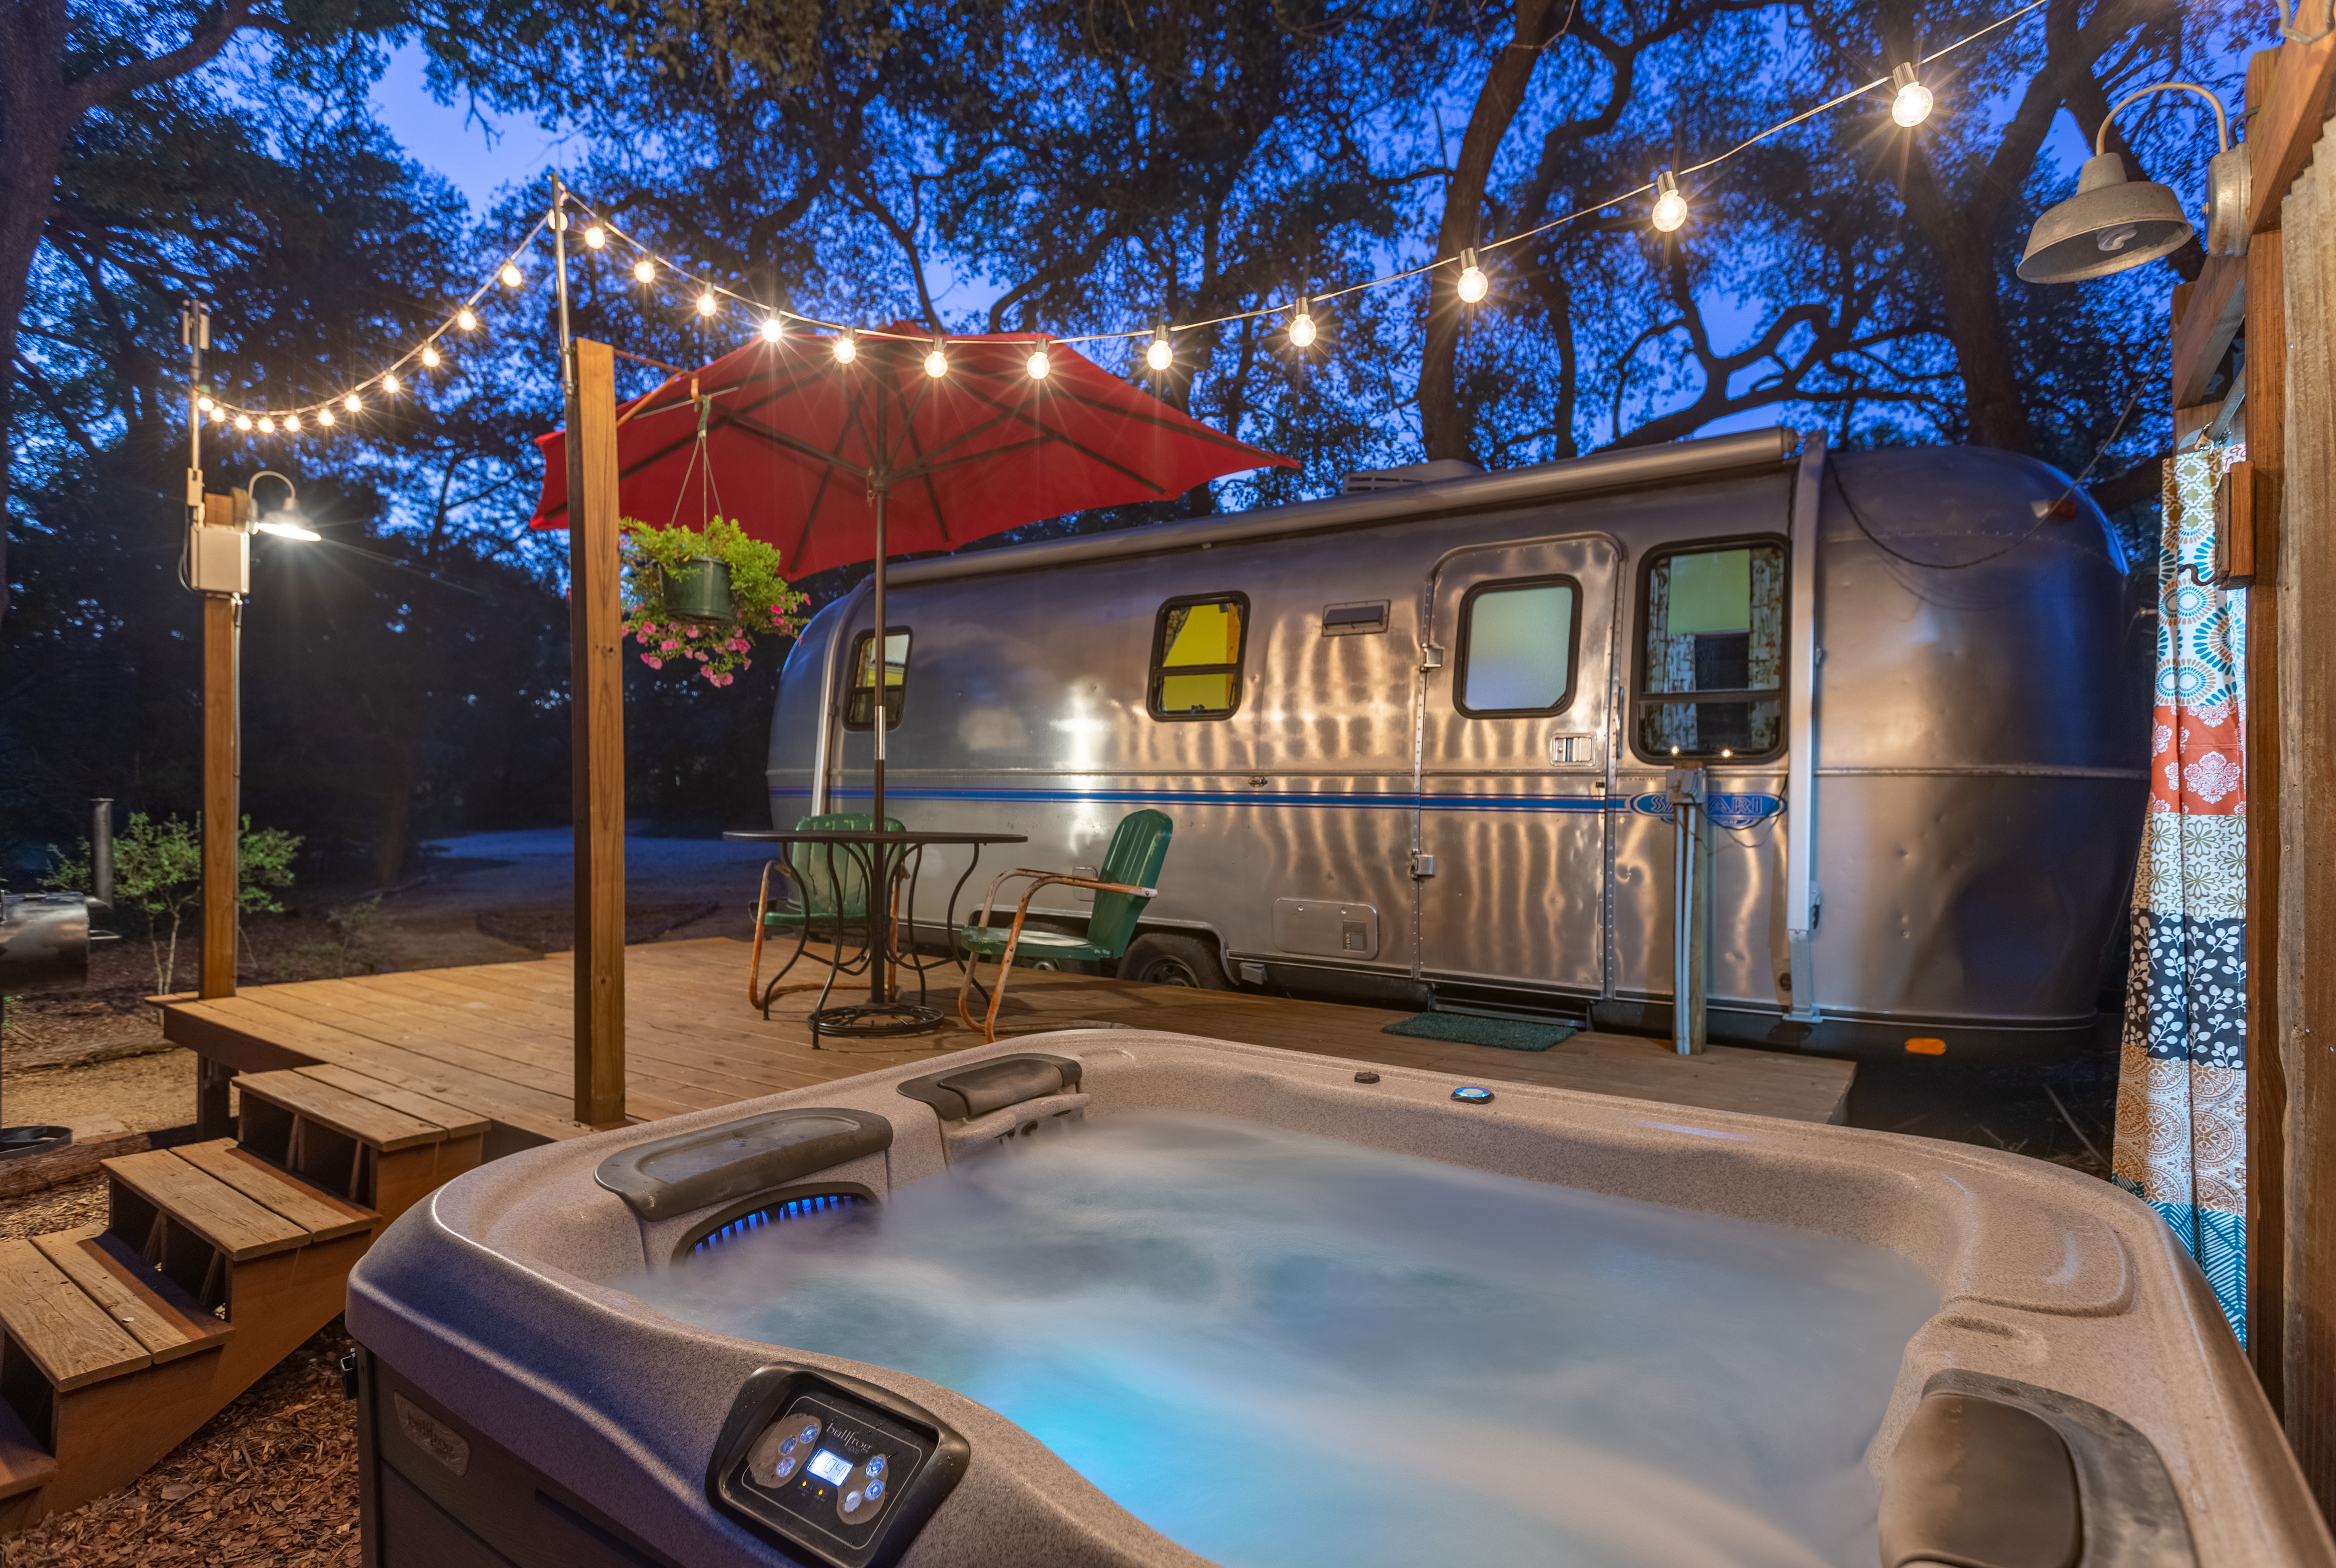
column 777, row 1214
column 1472, row 1094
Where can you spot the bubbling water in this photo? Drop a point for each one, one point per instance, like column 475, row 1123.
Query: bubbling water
column 1281, row 1350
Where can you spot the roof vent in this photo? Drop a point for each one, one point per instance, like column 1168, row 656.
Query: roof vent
column 1363, row 481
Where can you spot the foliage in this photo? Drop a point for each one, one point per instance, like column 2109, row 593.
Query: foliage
column 158, row 871
column 760, row 596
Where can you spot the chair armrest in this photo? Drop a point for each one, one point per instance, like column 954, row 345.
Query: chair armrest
column 1050, row 879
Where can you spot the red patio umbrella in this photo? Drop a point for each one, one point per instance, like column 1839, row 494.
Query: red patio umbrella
column 842, row 450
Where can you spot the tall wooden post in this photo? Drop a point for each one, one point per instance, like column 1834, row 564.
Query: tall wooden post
column 222, row 808
column 596, row 696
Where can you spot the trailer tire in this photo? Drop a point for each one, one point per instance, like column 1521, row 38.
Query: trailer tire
column 1159, row 958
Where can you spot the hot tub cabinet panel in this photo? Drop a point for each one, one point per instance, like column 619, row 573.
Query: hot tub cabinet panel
column 517, row 1410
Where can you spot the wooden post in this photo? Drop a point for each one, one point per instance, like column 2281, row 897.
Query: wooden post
column 596, row 696
column 222, row 808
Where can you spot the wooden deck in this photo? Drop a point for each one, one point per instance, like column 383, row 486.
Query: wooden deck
column 495, row 1038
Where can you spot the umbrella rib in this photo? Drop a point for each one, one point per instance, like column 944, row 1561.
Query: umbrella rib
column 792, row 442
column 1045, row 433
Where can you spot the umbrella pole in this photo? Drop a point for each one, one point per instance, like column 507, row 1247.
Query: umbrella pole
column 880, row 892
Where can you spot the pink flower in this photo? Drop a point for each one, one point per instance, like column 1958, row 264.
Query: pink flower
column 669, row 644
column 652, row 660
column 692, row 630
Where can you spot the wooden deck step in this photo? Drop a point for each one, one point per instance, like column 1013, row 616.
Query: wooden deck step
column 240, row 1228
column 55, row 1323
column 321, row 1214
column 458, row 1121
column 369, row 1121
column 23, row 1462
column 158, row 1314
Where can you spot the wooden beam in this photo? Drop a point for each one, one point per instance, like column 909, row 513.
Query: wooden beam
column 2209, row 318
column 222, row 768
column 596, row 696
column 2284, row 130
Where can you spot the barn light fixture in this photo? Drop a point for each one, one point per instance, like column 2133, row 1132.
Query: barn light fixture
column 285, row 521
column 1911, row 105
column 2112, row 224
column 1671, row 206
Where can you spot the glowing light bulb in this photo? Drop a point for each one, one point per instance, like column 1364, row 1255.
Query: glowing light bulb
column 773, row 329
column 267, row 424
column 645, row 271
column 219, row 416
column 354, row 403
column 937, row 360
column 292, row 421
column 389, row 383
column 846, row 350
column 1301, row 326
column 1911, row 105
column 205, row 404
column 596, row 236
column 1473, row 284
column 1671, row 206
column 1161, row 355
column 325, row 417
column 512, row 275
column 430, row 355
column 1040, row 365
column 243, row 422
column 706, row 304
column 466, row 318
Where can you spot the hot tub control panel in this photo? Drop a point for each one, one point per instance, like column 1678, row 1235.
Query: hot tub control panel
column 834, row 1469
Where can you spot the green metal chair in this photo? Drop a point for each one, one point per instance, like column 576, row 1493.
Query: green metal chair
column 831, row 889
column 1139, row 846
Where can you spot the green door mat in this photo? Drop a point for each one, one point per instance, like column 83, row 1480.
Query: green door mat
column 1502, row 1034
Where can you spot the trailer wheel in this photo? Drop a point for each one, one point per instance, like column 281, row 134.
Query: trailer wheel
column 1160, row 959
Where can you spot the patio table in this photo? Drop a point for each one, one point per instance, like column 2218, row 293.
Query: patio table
column 884, row 857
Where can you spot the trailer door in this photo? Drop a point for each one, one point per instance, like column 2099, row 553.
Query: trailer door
column 1513, row 731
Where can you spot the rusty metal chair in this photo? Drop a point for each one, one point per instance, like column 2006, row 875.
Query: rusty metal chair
column 1139, row 846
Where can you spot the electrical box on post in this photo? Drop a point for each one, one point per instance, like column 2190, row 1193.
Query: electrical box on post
column 218, row 559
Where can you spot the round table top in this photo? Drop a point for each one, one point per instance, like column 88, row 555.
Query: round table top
column 906, row 837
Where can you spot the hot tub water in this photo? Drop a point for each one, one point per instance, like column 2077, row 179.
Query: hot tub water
column 1282, row 1350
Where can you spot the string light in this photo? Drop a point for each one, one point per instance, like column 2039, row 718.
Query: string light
column 1473, row 285
column 773, row 329
column 243, row 422
column 430, row 355
column 1671, row 206
column 512, row 275
column 1912, row 104
column 466, row 318
column 1161, row 355
column 325, row 416
column 219, row 416
column 707, row 302
column 644, row 270
column 292, row 423
column 267, row 424
column 1040, row 365
column 846, row 348
column 354, row 403
column 937, row 359
column 389, row 383
column 1301, row 326
column 205, row 404
column 596, row 236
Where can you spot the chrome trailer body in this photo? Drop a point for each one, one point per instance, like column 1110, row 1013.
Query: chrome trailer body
column 1940, row 844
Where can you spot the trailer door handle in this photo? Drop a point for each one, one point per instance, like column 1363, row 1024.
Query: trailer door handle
column 1422, row 866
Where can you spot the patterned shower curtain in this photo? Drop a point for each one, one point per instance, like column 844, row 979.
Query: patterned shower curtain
column 2181, row 1124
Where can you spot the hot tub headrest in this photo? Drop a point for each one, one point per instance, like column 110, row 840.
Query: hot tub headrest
column 993, row 1084
column 738, row 1159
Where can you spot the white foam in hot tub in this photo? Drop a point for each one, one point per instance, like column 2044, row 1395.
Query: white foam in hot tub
column 1281, row 1350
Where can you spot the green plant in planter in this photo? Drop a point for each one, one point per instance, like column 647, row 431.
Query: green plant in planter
column 662, row 568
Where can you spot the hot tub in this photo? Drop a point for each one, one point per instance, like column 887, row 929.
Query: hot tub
column 1119, row 1298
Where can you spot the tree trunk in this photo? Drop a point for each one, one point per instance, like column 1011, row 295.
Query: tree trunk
column 1444, row 428
column 36, row 115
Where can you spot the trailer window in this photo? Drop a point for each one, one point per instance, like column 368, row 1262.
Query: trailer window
column 1517, row 647
column 1711, row 660
column 859, row 703
column 1196, row 656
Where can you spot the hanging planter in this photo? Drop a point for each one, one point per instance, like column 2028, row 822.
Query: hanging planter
column 698, row 590
column 700, row 598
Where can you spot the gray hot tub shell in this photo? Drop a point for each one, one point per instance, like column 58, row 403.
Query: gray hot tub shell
column 518, row 1411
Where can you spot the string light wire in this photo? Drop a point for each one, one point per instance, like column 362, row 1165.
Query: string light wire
column 711, row 292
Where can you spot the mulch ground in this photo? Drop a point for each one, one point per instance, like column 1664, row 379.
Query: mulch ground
column 270, row 1482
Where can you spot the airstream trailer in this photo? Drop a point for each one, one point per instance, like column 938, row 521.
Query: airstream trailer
column 1414, row 739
